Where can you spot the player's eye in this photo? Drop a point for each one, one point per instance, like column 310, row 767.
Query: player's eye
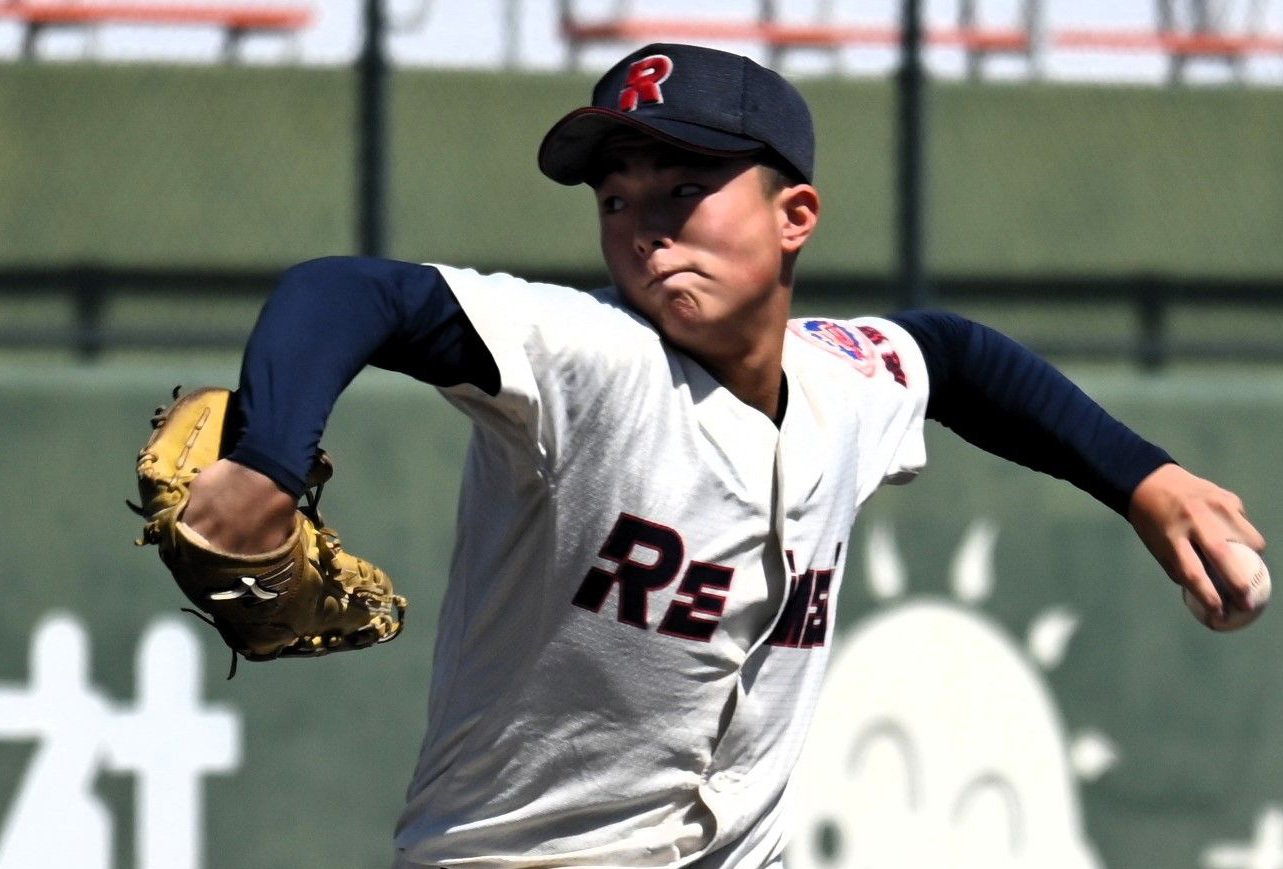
column 690, row 188
column 611, row 204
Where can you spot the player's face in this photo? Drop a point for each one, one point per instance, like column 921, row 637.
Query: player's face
column 698, row 245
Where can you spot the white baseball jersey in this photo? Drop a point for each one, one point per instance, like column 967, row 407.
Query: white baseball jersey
column 642, row 592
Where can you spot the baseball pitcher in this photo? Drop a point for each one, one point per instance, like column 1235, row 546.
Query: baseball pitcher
column 661, row 482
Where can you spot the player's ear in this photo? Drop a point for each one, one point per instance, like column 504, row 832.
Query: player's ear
column 799, row 212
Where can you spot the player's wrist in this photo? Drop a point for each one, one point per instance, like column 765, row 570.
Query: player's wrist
column 289, row 479
column 238, row 509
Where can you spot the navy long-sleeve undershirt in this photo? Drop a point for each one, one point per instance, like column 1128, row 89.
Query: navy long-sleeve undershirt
column 996, row 394
column 328, row 318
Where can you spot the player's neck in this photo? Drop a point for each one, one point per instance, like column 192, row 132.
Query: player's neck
column 754, row 378
column 750, row 363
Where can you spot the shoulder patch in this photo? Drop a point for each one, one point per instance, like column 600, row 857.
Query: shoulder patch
column 840, row 340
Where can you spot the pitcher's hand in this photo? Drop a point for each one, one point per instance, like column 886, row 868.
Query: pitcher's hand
column 1177, row 515
column 239, row 510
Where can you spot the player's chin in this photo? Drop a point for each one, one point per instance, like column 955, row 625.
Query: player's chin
column 681, row 305
column 680, row 314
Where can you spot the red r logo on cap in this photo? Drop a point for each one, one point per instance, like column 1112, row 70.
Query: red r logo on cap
column 644, row 79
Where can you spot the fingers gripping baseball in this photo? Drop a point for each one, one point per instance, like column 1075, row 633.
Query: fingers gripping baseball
column 1178, row 516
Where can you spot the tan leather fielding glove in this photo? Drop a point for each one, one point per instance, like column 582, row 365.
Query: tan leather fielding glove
column 307, row 597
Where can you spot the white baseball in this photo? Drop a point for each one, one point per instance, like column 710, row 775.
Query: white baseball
column 1247, row 564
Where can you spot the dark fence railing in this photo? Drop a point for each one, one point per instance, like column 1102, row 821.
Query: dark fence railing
column 1148, row 341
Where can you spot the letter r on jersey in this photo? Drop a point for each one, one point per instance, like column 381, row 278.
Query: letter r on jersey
column 644, row 78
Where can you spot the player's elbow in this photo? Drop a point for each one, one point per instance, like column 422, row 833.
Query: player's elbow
column 321, row 269
column 327, row 279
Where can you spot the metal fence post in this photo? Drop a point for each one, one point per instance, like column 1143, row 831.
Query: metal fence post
column 913, row 290
column 89, row 290
column 1151, row 317
column 371, row 134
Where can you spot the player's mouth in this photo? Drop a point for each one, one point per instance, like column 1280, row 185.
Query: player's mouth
column 661, row 278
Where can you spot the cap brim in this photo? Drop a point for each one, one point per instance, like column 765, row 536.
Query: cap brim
column 566, row 153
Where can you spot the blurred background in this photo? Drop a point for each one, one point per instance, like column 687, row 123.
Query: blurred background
column 1101, row 180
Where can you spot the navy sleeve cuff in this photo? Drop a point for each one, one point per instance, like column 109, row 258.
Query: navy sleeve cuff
column 284, row 476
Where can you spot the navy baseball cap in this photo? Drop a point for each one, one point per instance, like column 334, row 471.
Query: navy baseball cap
column 699, row 99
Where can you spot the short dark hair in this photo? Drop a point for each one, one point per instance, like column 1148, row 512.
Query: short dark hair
column 777, row 173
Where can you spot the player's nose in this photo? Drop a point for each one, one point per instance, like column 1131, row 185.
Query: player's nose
column 653, row 230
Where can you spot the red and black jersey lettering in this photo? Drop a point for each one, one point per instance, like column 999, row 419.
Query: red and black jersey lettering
column 890, row 359
column 636, row 578
column 705, row 587
column 804, row 623
column 873, row 334
column 648, row 556
column 816, row 628
column 892, row 362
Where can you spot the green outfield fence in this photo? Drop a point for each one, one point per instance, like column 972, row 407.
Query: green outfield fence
column 238, row 168
column 139, row 202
